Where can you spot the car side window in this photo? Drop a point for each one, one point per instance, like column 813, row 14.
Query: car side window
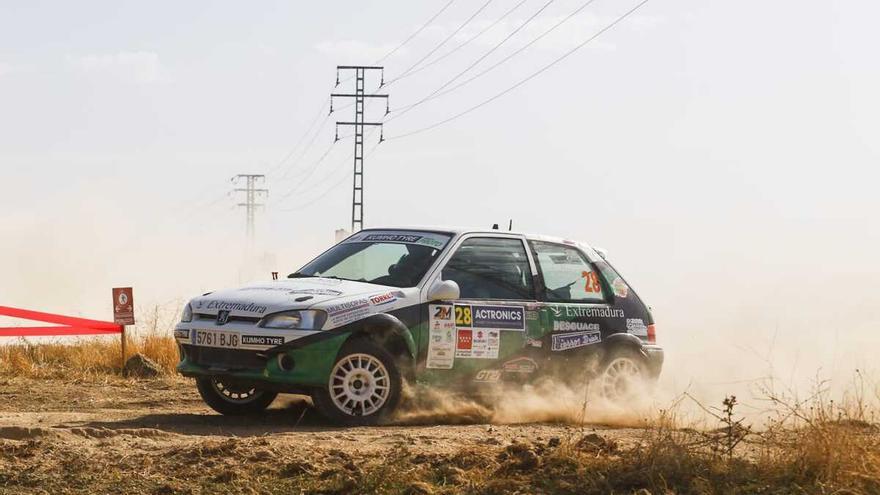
column 491, row 268
column 568, row 276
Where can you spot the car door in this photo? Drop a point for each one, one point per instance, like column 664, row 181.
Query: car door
column 471, row 337
column 576, row 310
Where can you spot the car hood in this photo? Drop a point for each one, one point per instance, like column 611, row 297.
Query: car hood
column 331, row 295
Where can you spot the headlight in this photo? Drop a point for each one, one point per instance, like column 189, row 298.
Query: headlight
column 300, row 320
column 187, row 315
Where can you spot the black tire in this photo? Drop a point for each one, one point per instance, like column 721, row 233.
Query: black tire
column 623, row 374
column 356, row 380
column 234, row 399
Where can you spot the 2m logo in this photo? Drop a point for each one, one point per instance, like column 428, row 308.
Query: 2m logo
column 463, row 316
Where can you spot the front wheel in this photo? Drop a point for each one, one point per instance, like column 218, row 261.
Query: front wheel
column 364, row 385
column 233, row 399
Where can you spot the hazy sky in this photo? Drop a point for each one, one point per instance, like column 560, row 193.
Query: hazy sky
column 725, row 153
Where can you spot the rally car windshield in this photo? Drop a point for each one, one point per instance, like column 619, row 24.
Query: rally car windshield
column 397, row 259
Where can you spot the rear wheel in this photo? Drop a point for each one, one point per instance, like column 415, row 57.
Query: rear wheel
column 623, row 375
column 364, row 385
column 233, row 399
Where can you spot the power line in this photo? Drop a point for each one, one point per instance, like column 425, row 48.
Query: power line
column 419, row 30
column 527, row 79
column 308, row 174
column 515, row 53
column 300, row 140
column 407, row 108
column 445, row 40
column 335, row 184
column 305, row 150
column 321, row 110
column 460, row 46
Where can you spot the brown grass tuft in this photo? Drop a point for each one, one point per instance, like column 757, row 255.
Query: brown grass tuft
column 84, row 357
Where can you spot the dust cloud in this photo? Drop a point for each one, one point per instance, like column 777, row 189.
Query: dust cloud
column 790, row 316
column 548, row 400
column 66, row 261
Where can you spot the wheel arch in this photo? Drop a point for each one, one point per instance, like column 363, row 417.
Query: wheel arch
column 390, row 333
column 623, row 341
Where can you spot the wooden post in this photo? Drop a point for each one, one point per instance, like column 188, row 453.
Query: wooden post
column 123, row 349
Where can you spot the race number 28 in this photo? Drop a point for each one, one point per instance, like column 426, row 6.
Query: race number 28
column 463, row 316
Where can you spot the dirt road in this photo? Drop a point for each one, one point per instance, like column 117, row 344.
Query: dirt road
column 156, row 436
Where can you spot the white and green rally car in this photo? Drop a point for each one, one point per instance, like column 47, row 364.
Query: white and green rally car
column 465, row 309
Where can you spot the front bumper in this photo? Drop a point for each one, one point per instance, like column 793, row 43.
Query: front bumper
column 307, row 366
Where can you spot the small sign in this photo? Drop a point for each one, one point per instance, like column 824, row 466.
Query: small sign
column 123, row 306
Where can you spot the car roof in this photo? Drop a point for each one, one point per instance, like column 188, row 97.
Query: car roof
column 457, row 231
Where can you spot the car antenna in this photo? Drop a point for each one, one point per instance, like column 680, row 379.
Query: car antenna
column 494, row 226
column 510, row 225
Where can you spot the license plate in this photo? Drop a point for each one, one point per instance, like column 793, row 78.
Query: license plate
column 211, row 338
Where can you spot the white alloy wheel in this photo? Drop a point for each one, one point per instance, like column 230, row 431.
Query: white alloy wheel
column 359, row 385
column 620, row 378
column 235, row 394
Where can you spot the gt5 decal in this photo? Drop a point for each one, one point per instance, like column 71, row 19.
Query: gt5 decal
column 488, row 376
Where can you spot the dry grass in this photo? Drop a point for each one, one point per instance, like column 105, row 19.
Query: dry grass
column 89, row 356
column 664, row 460
column 83, row 357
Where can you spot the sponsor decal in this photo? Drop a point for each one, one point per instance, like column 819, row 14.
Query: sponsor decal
column 441, row 337
column 531, row 315
column 348, row 311
column 430, row 241
column 534, row 342
column 347, row 306
column 520, row 365
column 181, row 334
column 234, row 306
column 490, row 376
column 503, row 317
column 636, row 326
column 620, row 288
column 586, row 312
column 574, row 326
column 566, row 341
column 261, row 287
column 261, row 340
column 408, row 238
column 441, row 312
column 479, row 328
column 591, row 282
column 386, row 298
column 316, row 292
column 478, row 343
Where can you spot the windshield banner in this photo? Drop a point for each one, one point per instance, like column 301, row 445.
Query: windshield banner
column 430, row 239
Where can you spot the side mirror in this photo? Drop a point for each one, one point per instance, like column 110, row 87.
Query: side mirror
column 444, row 290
